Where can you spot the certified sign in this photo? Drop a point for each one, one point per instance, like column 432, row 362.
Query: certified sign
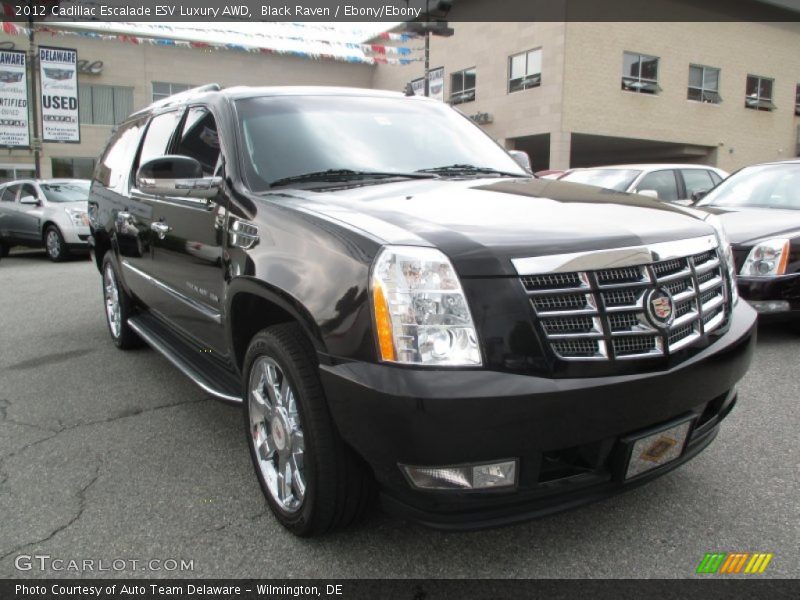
column 59, row 79
column 14, row 130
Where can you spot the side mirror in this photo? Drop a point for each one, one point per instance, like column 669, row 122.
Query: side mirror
column 649, row 193
column 698, row 195
column 32, row 200
column 178, row 176
column 522, row 158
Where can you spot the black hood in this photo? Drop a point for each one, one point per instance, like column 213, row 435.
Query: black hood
column 482, row 224
column 744, row 227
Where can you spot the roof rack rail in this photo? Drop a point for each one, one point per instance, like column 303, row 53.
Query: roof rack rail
column 175, row 98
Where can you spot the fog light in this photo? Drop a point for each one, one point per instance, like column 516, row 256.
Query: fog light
column 770, row 306
column 463, row 477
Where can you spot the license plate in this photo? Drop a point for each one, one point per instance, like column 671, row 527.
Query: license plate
column 657, row 449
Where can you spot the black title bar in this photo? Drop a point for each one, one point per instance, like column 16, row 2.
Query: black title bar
column 401, row 10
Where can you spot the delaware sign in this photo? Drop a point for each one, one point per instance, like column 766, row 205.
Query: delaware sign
column 14, row 122
column 58, row 70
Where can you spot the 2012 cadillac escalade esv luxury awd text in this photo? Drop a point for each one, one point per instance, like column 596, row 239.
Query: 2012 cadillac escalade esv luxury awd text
column 403, row 311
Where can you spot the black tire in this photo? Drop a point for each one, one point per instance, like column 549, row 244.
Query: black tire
column 54, row 244
column 124, row 337
column 339, row 487
column 4, row 249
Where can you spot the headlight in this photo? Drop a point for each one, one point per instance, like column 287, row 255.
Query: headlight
column 727, row 254
column 78, row 216
column 767, row 259
column 421, row 314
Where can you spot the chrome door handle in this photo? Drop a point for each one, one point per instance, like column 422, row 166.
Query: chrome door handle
column 161, row 228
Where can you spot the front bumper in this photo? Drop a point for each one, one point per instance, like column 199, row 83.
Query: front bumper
column 565, row 432
column 76, row 237
column 775, row 298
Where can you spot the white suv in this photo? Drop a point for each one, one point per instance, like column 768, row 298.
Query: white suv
column 683, row 184
column 49, row 213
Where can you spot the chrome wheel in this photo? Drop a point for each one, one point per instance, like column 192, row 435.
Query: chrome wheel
column 111, row 295
column 53, row 243
column 277, row 434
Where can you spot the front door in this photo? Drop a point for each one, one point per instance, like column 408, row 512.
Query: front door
column 29, row 214
column 187, row 241
column 8, row 213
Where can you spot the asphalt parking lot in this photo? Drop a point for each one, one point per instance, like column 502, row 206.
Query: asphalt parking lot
column 111, row 455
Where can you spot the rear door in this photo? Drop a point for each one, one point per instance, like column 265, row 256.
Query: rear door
column 188, row 253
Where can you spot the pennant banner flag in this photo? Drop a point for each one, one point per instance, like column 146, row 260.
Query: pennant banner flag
column 334, row 50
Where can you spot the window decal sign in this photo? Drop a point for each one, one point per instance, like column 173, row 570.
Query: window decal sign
column 14, row 121
column 436, row 83
column 58, row 70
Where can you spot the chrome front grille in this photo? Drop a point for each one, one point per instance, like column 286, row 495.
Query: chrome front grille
column 601, row 314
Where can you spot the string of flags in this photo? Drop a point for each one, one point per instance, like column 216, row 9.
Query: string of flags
column 343, row 51
column 389, row 36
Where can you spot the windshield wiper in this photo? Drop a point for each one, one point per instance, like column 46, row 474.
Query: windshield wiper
column 333, row 175
column 462, row 169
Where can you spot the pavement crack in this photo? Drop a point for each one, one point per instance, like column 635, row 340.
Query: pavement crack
column 81, row 496
column 57, row 432
column 5, row 404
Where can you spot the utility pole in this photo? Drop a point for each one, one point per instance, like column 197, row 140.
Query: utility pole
column 427, row 28
column 32, row 63
column 427, row 50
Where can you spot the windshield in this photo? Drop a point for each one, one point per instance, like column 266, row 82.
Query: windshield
column 610, row 179
column 287, row 136
column 69, row 191
column 761, row 186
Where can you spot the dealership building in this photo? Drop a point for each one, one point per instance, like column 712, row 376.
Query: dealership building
column 569, row 93
column 579, row 94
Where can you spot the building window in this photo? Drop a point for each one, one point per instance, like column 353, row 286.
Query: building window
column 462, row 86
column 104, row 104
column 11, row 172
column 163, row 90
column 525, row 70
column 640, row 73
column 704, row 84
column 73, row 168
column 797, row 100
column 758, row 94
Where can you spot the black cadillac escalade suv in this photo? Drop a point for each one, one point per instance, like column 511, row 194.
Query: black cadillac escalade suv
column 401, row 308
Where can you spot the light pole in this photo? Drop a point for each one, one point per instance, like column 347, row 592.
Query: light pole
column 427, row 49
column 32, row 62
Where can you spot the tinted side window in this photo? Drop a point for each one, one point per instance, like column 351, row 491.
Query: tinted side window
column 114, row 166
column 714, row 177
column 10, row 193
column 28, row 190
column 199, row 138
column 696, row 180
column 158, row 136
column 661, row 181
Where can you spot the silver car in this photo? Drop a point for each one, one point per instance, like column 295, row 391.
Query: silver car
column 670, row 182
column 49, row 213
